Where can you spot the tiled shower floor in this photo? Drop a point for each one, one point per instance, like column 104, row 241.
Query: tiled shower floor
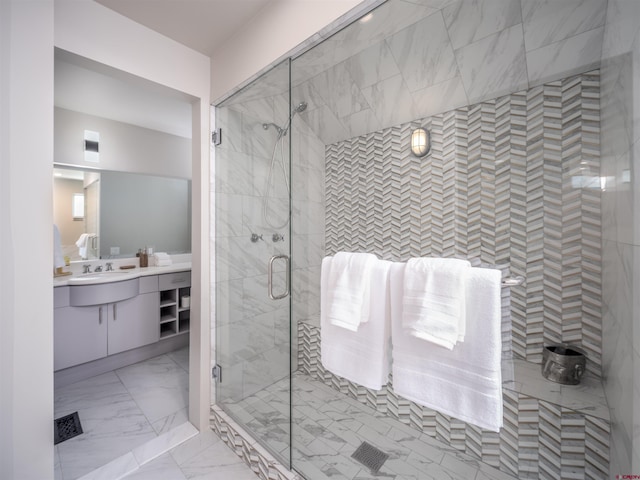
column 328, row 427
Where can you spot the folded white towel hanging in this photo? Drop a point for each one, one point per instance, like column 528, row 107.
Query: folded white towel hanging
column 348, row 289
column 361, row 356
column 83, row 243
column 434, row 299
column 466, row 382
column 82, row 240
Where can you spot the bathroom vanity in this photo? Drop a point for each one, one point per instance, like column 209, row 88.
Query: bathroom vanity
column 102, row 316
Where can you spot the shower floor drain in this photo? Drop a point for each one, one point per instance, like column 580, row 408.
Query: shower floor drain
column 370, row 456
column 66, row 427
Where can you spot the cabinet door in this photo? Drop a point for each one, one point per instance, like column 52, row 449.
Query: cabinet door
column 134, row 322
column 79, row 335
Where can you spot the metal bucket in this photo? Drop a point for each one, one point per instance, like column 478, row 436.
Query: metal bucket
column 563, row 364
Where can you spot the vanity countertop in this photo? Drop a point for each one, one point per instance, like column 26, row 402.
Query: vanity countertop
column 126, row 274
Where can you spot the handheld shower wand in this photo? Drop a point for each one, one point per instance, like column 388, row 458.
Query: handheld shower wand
column 282, row 132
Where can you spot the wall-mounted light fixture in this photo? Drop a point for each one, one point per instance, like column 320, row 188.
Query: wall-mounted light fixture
column 91, row 144
column 420, row 142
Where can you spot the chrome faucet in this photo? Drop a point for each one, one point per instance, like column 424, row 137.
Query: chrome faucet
column 109, row 267
column 98, row 268
column 86, row 268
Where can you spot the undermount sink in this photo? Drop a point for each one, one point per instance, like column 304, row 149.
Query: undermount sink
column 99, row 277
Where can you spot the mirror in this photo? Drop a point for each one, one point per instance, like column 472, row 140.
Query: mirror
column 123, row 212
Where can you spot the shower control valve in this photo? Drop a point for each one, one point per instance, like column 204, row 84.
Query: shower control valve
column 255, row 237
column 277, row 237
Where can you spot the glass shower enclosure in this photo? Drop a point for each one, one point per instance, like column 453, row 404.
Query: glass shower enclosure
column 315, row 159
column 253, row 251
column 269, row 243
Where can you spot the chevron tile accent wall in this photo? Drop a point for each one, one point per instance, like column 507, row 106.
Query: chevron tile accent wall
column 512, row 182
column 539, row 440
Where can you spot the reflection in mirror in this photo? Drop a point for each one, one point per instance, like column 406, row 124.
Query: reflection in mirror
column 123, row 212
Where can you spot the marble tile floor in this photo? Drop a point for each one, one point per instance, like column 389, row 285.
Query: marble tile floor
column 122, row 411
column 328, row 427
column 204, row 456
column 136, row 428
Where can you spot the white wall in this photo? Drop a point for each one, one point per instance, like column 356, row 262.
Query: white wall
column 95, row 32
column 26, row 242
column 123, row 147
column 277, row 29
column 26, row 81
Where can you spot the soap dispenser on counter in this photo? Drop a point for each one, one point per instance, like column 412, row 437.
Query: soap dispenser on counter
column 144, row 258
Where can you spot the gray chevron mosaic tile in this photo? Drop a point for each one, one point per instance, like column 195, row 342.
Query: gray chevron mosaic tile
column 509, row 182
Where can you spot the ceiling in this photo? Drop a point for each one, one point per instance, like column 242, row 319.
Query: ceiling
column 202, row 25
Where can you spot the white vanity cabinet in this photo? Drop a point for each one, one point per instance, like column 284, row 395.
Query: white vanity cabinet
column 79, row 334
column 94, row 321
column 133, row 323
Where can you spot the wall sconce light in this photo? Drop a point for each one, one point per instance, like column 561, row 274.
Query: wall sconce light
column 91, row 144
column 420, row 142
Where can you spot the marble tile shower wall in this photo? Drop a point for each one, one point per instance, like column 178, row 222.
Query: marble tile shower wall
column 512, row 182
column 254, row 329
column 416, row 58
column 621, row 230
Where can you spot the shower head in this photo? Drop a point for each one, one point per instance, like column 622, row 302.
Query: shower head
column 282, row 131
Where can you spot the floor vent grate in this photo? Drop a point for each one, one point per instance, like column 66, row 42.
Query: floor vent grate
column 66, row 427
column 370, row 456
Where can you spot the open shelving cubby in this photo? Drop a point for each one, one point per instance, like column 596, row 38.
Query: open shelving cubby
column 174, row 312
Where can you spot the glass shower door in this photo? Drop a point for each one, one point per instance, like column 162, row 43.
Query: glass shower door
column 252, row 259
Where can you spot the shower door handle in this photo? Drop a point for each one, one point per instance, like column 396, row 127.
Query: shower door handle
column 270, row 277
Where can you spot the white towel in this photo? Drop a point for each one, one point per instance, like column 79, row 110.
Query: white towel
column 82, row 241
column 348, row 289
column 82, row 244
column 434, row 299
column 466, row 382
column 58, row 258
column 161, row 259
column 362, row 357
